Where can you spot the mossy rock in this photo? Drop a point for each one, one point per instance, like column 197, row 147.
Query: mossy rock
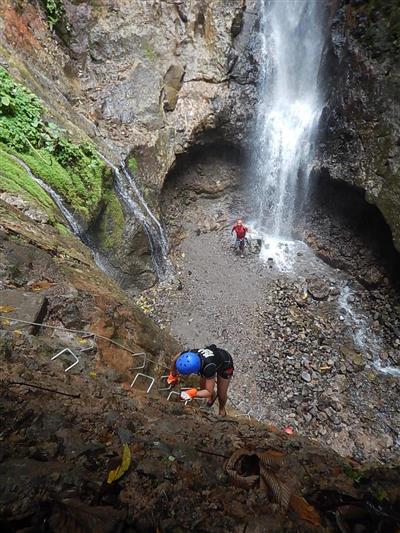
column 14, row 179
column 111, row 225
column 74, row 171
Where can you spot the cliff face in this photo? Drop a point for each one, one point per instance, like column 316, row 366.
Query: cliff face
column 360, row 141
column 145, row 81
column 149, row 77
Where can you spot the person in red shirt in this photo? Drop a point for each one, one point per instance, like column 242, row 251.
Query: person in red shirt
column 240, row 231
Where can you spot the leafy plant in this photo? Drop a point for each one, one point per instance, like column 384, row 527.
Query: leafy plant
column 353, row 474
column 132, row 165
column 73, row 170
column 55, row 11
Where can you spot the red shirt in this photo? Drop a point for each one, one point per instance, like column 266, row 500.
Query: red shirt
column 240, row 231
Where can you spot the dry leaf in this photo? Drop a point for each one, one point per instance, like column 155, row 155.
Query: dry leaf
column 113, row 475
column 40, row 285
column 324, row 367
column 304, row 510
column 6, row 308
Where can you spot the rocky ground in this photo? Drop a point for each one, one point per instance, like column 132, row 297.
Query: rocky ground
column 310, row 345
column 57, row 450
column 82, row 450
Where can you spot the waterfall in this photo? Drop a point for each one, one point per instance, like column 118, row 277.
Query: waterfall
column 72, row 222
column 128, row 191
column 363, row 337
column 76, row 228
column 289, row 107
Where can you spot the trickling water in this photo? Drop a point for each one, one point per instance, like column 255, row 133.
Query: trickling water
column 71, row 220
column 364, row 339
column 289, row 108
column 127, row 189
column 73, row 223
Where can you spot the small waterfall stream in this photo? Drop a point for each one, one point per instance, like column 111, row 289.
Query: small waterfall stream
column 72, row 222
column 75, row 226
column 364, row 339
column 128, row 191
column 289, row 108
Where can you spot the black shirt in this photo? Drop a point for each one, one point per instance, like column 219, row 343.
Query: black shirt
column 214, row 361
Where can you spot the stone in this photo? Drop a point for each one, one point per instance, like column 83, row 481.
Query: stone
column 23, row 305
column 306, row 376
column 125, row 435
column 172, row 84
column 318, row 289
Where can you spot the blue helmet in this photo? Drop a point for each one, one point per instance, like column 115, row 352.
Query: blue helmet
column 188, row 363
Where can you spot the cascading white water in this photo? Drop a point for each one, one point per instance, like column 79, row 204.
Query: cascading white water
column 75, row 226
column 128, row 191
column 289, row 108
column 73, row 223
column 364, row 339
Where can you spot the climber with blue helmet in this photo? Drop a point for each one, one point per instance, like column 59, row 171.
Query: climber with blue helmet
column 213, row 364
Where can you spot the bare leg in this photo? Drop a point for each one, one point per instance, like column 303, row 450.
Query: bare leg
column 210, row 402
column 222, row 391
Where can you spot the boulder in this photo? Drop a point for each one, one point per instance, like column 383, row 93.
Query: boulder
column 22, row 305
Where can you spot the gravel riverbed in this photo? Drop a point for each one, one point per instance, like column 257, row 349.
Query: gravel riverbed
column 306, row 343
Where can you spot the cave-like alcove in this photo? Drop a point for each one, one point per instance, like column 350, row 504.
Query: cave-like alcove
column 348, row 232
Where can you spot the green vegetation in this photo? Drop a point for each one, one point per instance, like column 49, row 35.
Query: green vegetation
column 54, row 11
column 15, row 179
column 353, row 474
column 62, row 230
column 73, row 170
column 381, row 30
column 112, row 224
column 149, row 51
column 132, row 165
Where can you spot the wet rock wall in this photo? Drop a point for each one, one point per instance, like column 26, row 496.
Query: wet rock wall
column 359, row 140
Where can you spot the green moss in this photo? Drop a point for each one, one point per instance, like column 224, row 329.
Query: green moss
column 150, row 54
column 381, row 31
column 355, row 475
column 111, row 226
column 75, row 171
column 62, row 230
column 81, row 191
column 132, row 165
column 14, row 179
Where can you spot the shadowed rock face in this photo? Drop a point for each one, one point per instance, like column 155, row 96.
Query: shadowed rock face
column 360, row 123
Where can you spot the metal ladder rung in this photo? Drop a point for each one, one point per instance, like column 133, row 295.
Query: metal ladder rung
column 140, row 367
column 145, row 376
column 67, row 350
column 173, row 393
